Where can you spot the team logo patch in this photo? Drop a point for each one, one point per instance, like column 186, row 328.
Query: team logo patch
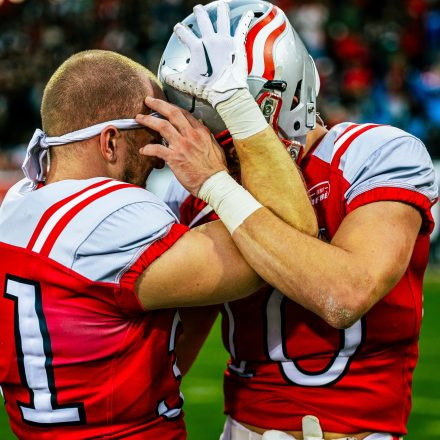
column 319, row 192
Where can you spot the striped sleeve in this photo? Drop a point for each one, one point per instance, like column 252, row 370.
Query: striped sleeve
column 123, row 237
column 394, row 167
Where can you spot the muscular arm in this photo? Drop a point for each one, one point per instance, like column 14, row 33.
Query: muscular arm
column 272, row 177
column 204, row 266
column 197, row 323
column 342, row 280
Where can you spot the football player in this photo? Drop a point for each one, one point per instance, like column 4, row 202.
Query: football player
column 334, row 334
column 92, row 264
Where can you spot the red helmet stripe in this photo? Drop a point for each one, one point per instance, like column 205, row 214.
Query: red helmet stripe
column 269, row 63
column 253, row 34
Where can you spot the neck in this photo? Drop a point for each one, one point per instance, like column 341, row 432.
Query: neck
column 53, row 177
column 313, row 137
column 69, row 168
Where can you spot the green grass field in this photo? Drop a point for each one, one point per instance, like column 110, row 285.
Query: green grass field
column 203, row 385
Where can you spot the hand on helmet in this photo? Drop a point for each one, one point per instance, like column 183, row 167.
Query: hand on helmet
column 191, row 152
column 218, row 64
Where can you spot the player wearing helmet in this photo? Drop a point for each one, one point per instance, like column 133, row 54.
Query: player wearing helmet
column 335, row 332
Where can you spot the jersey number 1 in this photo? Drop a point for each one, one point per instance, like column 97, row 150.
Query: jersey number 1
column 34, row 356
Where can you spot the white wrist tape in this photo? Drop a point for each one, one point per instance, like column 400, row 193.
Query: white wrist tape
column 241, row 115
column 232, row 203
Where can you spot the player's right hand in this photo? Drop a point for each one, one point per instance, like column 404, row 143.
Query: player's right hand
column 218, row 62
column 192, row 153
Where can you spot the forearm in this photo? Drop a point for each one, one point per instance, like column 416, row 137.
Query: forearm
column 267, row 170
column 323, row 278
column 197, row 323
column 272, row 177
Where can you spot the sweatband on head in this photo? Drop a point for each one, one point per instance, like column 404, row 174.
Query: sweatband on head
column 34, row 165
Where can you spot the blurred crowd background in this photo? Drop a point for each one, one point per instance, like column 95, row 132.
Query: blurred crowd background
column 379, row 60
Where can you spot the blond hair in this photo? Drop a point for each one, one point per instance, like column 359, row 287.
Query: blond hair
column 91, row 87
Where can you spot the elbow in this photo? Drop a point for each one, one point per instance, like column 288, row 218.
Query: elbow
column 343, row 320
column 342, row 311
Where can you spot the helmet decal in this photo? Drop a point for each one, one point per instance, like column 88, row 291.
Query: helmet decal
column 269, row 71
column 252, row 35
column 260, row 43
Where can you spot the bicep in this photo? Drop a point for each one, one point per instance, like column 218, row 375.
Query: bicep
column 203, row 267
column 380, row 236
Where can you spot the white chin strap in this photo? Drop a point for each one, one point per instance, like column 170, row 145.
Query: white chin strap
column 35, row 164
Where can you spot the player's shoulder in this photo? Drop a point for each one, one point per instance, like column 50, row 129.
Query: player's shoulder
column 85, row 191
column 348, row 147
column 76, row 209
column 119, row 211
column 104, row 196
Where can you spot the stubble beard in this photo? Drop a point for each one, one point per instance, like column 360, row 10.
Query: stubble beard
column 135, row 170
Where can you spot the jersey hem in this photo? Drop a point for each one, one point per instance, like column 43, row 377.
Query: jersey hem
column 397, row 194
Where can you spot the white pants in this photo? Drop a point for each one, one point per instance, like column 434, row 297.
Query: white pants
column 236, row 431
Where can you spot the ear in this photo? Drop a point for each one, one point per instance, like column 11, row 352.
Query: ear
column 108, row 141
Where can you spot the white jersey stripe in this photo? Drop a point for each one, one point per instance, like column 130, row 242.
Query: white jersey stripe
column 344, row 137
column 57, row 215
column 258, row 65
column 231, row 325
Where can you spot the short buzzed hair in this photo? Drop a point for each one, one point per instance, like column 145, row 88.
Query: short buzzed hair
column 91, row 87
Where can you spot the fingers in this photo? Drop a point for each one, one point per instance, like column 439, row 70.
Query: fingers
column 171, row 112
column 162, row 126
column 156, row 150
column 223, row 19
column 243, row 27
column 203, row 21
column 186, row 35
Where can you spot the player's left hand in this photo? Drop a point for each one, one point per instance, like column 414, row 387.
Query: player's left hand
column 192, row 152
column 218, row 63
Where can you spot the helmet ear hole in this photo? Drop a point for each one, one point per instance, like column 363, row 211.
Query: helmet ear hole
column 297, row 95
column 297, row 125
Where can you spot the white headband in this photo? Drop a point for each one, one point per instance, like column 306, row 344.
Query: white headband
column 34, row 165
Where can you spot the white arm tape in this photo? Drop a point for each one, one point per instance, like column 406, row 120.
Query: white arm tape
column 241, row 115
column 232, row 203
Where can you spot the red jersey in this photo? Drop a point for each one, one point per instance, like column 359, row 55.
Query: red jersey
column 80, row 357
column 286, row 362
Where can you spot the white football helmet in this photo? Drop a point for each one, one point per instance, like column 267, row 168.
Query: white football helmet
column 282, row 75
